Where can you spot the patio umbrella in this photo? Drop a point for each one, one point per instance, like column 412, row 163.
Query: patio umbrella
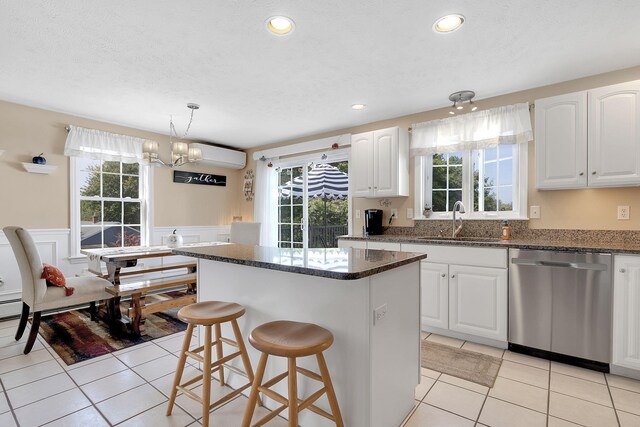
column 323, row 181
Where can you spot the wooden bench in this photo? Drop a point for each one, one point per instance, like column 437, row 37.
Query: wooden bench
column 141, row 289
column 189, row 265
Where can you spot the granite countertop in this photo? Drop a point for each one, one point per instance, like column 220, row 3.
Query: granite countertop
column 335, row 263
column 533, row 244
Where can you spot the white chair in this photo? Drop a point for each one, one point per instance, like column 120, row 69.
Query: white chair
column 247, row 233
column 37, row 296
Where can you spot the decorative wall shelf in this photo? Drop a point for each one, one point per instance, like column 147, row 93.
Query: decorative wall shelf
column 35, row 168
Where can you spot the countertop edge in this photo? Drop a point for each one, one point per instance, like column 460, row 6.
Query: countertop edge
column 304, row 270
column 561, row 246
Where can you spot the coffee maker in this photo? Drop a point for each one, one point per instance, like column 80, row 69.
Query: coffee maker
column 373, row 222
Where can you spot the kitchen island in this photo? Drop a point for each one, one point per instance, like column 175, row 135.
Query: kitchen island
column 368, row 299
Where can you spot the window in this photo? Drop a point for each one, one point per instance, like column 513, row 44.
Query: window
column 490, row 182
column 109, row 204
column 493, row 177
column 447, row 181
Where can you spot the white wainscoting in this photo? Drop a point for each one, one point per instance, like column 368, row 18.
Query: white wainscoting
column 53, row 245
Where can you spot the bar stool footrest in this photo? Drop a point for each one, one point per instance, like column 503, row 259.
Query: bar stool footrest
column 228, row 397
column 314, row 408
column 190, row 394
column 309, row 374
column 309, row 400
column 274, row 396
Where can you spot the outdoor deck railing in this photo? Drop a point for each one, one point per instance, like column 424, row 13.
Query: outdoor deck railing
column 326, row 237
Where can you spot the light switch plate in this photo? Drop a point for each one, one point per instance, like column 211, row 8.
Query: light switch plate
column 623, row 213
column 409, row 213
column 357, row 213
column 534, row 212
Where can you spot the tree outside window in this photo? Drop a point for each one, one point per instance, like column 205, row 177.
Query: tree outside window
column 110, row 204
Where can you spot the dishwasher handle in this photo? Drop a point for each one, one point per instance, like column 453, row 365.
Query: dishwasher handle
column 574, row 265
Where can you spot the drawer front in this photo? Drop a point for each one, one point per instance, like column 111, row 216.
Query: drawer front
column 358, row 244
column 463, row 255
column 387, row 246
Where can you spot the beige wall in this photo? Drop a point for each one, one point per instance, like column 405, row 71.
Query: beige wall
column 42, row 201
column 574, row 209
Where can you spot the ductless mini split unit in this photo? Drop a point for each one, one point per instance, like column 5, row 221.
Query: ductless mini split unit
column 222, row 157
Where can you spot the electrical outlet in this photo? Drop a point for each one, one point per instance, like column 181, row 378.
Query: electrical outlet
column 357, row 213
column 623, row 213
column 379, row 313
column 394, row 213
column 534, row 212
column 409, row 213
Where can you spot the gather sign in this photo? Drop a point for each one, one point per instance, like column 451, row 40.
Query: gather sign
column 199, row 178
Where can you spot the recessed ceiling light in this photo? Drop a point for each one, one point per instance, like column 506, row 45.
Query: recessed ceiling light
column 280, row 25
column 448, row 23
column 358, row 106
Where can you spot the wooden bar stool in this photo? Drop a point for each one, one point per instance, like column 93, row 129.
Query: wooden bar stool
column 210, row 314
column 292, row 340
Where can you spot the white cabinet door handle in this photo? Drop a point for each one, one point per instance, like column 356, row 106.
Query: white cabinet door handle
column 444, row 275
column 593, row 173
column 622, row 270
column 581, row 173
column 453, row 276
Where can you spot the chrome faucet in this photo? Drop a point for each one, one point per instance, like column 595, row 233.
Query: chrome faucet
column 457, row 207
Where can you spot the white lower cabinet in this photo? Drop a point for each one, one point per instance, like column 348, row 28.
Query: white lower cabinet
column 434, row 280
column 478, row 301
column 465, row 291
column 626, row 312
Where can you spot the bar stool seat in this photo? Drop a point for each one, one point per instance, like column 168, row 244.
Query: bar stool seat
column 210, row 312
column 292, row 340
column 210, row 315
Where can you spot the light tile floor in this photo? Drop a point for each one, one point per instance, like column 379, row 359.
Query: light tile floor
column 528, row 392
column 130, row 388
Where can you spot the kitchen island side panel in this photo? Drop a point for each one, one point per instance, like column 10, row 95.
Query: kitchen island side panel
column 374, row 368
column 395, row 343
column 338, row 305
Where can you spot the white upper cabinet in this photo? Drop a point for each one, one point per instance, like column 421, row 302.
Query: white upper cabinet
column 361, row 164
column 589, row 138
column 561, row 141
column 379, row 165
column 614, row 135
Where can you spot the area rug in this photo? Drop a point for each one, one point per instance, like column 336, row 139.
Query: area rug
column 75, row 337
column 468, row 365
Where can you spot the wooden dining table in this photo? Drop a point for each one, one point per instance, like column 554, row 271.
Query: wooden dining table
column 117, row 259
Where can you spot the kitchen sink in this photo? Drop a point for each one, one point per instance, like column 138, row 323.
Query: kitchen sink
column 463, row 239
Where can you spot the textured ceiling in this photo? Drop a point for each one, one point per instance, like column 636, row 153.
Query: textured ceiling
column 136, row 62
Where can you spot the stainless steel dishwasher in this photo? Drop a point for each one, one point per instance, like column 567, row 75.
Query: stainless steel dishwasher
column 560, row 306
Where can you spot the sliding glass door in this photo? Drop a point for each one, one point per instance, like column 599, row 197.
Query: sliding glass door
column 313, row 205
column 291, row 207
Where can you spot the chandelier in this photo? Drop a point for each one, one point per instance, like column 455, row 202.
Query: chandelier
column 181, row 152
column 459, row 99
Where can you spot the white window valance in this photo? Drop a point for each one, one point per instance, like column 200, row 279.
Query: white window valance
column 99, row 145
column 510, row 124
